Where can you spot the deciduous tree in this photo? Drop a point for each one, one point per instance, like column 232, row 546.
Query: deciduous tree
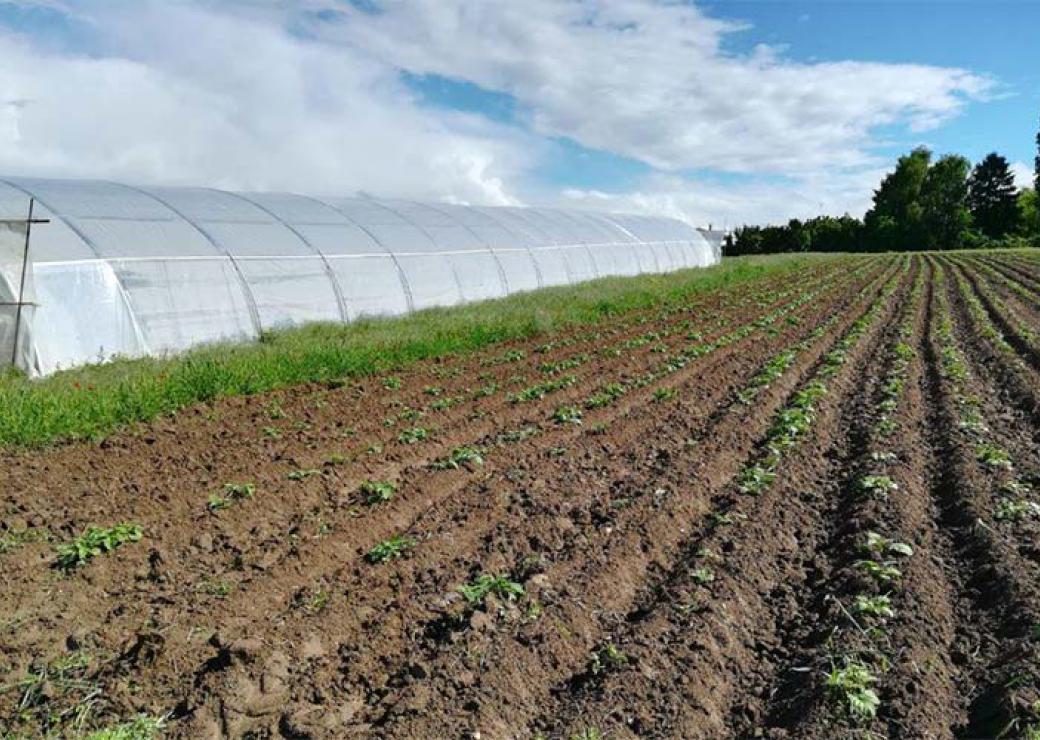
column 894, row 221
column 944, row 203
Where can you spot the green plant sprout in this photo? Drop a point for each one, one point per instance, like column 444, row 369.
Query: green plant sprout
column 96, row 541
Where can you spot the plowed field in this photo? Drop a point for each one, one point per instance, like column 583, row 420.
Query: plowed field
column 804, row 506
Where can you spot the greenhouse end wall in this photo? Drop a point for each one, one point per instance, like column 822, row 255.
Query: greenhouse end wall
column 127, row 271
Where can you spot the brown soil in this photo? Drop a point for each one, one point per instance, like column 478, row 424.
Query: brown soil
column 659, row 599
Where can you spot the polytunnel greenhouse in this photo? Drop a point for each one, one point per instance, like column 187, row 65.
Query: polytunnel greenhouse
column 111, row 270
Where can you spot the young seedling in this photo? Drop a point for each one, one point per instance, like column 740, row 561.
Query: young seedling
column 1017, row 510
column 517, row 435
column 459, row 457
column 389, row 549
column 1016, row 488
column 664, row 394
column 498, row 585
column 886, row 427
column 606, row 658
column 96, row 541
column 852, row 687
column 141, row 728
column 610, row 393
column 567, row 415
column 702, row 576
column 275, row 411
column 726, row 520
column 589, row 733
column 377, row 492
column 878, row 545
column 993, row 456
column 413, row 435
column 217, row 503
column 876, row 485
column 220, row 589
column 303, row 474
column 391, row 383
column 879, row 607
column 318, row 602
column 755, row 479
column 239, row 491
column 17, row 538
column 880, row 572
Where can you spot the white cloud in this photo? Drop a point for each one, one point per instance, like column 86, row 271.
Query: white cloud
column 242, row 104
column 651, row 80
column 1023, row 174
column 729, row 205
column 306, row 95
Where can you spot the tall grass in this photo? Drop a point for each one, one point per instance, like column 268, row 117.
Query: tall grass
column 92, row 401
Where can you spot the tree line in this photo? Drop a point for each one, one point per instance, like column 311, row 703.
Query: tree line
column 925, row 203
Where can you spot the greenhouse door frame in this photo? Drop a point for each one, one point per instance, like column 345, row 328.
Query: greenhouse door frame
column 20, row 301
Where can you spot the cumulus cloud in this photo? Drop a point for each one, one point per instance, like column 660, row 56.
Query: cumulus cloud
column 308, row 95
column 1023, row 174
column 651, row 80
column 244, row 103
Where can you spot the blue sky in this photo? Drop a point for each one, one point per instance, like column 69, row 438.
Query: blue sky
column 713, row 111
column 995, row 37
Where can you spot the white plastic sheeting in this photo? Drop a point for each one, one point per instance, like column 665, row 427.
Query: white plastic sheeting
column 17, row 295
column 128, row 271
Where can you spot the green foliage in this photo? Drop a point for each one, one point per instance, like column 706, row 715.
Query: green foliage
column 377, row 492
column 894, row 222
column 945, row 217
column 876, row 485
column 608, row 657
column 993, row 197
column 921, row 204
column 1029, row 212
column 303, row 474
column 389, row 549
column 702, row 576
column 879, row 546
column 459, row 457
column 17, row 538
column 606, row 396
column 822, row 234
column 879, row 607
column 498, row 585
column 852, row 686
column 664, row 394
column 589, row 733
column 142, row 728
column 96, row 541
column 413, row 436
column 755, row 479
column 1016, row 510
column 541, row 390
column 993, row 456
column 1036, row 166
column 883, row 572
column 567, row 415
column 91, row 402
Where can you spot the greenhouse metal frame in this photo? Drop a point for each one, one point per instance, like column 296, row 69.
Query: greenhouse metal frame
column 128, row 271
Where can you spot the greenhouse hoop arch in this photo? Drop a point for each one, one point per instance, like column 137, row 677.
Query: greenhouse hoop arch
column 113, row 270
